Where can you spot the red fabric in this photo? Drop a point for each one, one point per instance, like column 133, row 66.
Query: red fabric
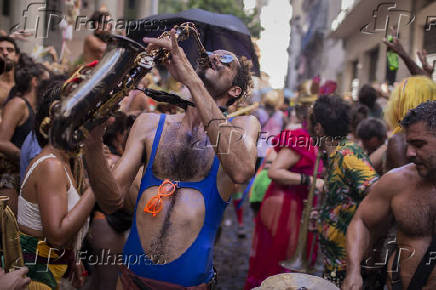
column 92, row 64
column 133, row 282
column 328, row 88
column 278, row 222
column 239, row 212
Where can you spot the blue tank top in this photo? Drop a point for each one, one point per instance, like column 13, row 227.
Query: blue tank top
column 194, row 266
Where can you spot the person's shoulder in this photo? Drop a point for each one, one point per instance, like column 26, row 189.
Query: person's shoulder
column 347, row 148
column 398, row 138
column 148, row 119
column 90, row 37
column 15, row 106
column 87, row 39
column 146, row 123
column 403, row 174
column 16, row 102
column 92, row 40
column 397, row 179
column 249, row 120
column 50, row 166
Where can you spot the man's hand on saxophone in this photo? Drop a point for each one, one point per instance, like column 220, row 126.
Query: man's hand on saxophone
column 177, row 64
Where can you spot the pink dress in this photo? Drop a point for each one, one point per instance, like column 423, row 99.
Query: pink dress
column 278, row 222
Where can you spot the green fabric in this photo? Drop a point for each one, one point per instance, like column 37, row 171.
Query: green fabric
column 37, row 272
column 237, row 195
column 260, row 185
column 349, row 175
column 393, row 60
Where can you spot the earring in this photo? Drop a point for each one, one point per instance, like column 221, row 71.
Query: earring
column 44, row 127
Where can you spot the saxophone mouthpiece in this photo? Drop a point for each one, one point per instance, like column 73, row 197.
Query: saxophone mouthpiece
column 203, row 61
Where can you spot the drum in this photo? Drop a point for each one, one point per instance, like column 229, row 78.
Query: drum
column 296, row 281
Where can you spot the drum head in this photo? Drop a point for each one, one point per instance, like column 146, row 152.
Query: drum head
column 296, row 281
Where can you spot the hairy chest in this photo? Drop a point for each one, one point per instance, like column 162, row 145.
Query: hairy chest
column 415, row 212
column 183, row 155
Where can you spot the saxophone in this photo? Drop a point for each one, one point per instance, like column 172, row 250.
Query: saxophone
column 123, row 65
column 10, row 238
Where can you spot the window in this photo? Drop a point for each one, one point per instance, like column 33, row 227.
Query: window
column 6, row 7
column 373, row 60
column 355, row 69
column 430, row 38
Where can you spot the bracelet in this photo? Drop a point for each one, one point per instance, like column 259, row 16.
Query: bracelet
column 306, row 179
column 301, row 178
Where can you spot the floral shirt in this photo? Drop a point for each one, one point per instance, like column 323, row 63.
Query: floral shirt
column 348, row 176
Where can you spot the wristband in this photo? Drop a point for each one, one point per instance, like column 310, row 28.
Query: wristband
column 306, row 179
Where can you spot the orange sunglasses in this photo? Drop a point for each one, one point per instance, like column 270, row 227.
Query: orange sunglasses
column 166, row 189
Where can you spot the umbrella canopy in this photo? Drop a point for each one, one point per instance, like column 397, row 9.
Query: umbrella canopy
column 217, row 31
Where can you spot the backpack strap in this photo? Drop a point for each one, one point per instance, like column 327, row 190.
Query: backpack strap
column 424, row 269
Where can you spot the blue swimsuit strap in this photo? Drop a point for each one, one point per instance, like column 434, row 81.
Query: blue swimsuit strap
column 156, row 139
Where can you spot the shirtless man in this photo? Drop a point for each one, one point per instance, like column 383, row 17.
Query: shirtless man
column 407, row 195
column 10, row 54
column 94, row 45
column 173, row 245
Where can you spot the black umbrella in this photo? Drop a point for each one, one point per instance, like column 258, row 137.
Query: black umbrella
column 217, row 31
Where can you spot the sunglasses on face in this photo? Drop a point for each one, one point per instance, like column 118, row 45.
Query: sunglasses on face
column 9, row 49
column 224, row 58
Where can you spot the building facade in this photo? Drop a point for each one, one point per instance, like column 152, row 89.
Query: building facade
column 306, row 46
column 362, row 26
column 43, row 19
column 351, row 50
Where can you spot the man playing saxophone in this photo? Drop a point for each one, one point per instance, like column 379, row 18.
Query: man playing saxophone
column 191, row 162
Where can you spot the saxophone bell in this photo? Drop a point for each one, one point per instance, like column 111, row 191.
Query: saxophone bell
column 121, row 67
column 9, row 238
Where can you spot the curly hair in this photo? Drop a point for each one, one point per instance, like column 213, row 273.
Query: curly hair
column 23, row 77
column 372, row 127
column 243, row 80
column 332, row 113
column 425, row 112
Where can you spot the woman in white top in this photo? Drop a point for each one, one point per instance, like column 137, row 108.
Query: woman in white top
column 52, row 215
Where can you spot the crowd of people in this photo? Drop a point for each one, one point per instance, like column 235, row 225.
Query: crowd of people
column 360, row 220
column 145, row 196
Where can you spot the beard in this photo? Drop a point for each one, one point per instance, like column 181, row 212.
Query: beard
column 426, row 168
column 211, row 86
column 6, row 65
column 9, row 65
